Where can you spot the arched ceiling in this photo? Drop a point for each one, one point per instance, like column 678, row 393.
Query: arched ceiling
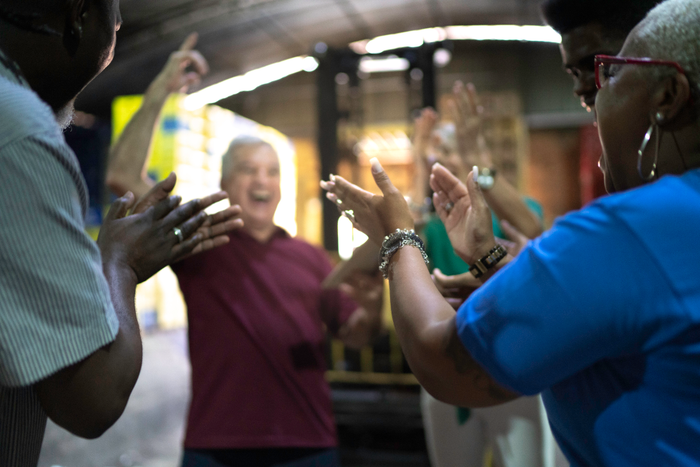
column 239, row 35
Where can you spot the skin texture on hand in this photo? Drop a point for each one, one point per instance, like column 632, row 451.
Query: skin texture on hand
column 213, row 231
column 375, row 215
column 468, row 222
column 146, row 241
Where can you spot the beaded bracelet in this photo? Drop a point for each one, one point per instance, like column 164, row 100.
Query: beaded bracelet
column 394, row 242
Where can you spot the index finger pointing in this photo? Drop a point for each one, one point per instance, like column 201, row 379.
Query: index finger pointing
column 189, row 42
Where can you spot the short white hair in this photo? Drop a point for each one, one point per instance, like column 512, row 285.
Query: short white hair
column 228, row 160
column 671, row 31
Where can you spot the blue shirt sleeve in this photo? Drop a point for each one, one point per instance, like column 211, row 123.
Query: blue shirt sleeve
column 587, row 290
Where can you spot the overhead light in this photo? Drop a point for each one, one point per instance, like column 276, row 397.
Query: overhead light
column 250, row 81
column 381, row 65
column 419, row 37
column 503, row 32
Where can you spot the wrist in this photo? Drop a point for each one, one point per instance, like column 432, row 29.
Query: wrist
column 156, row 94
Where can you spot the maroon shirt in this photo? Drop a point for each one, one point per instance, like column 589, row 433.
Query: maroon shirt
column 257, row 344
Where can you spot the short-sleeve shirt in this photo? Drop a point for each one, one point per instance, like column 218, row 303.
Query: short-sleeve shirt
column 55, row 306
column 257, row 317
column 602, row 313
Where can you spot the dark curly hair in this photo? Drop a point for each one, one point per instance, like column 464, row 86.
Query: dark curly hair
column 618, row 17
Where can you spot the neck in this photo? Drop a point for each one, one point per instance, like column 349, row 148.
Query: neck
column 680, row 149
column 261, row 234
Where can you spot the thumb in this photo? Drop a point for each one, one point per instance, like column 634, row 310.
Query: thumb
column 381, row 178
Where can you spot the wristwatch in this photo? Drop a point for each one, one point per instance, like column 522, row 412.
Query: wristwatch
column 493, row 257
column 486, row 178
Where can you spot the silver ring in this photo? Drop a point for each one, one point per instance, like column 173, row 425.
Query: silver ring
column 449, row 206
column 349, row 214
column 179, row 235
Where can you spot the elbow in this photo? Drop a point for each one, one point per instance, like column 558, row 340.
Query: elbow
column 91, row 422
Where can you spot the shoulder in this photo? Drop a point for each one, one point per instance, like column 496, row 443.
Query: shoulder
column 23, row 114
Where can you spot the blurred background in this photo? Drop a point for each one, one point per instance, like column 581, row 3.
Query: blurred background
column 330, row 83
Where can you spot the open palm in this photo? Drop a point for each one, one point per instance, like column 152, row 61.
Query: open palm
column 464, row 212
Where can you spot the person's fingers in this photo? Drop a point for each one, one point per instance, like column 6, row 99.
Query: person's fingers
column 185, row 248
column 155, row 195
column 210, row 230
column 209, row 244
column 351, row 195
column 120, row 207
column 189, row 42
column 197, row 61
column 208, row 200
column 456, row 282
column 474, row 100
column 181, row 214
column 166, row 206
column 191, row 225
column 381, row 178
column 443, row 180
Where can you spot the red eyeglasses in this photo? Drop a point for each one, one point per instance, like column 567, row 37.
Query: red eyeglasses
column 603, row 62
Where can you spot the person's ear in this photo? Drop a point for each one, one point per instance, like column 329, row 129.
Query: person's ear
column 670, row 98
column 76, row 11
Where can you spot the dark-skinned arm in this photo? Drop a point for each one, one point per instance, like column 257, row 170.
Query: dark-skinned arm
column 88, row 397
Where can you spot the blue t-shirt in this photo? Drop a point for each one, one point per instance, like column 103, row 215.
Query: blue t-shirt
column 602, row 313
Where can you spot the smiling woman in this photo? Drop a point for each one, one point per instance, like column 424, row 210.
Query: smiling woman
column 601, row 313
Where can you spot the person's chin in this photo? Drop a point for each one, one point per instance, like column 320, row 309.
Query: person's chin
column 64, row 116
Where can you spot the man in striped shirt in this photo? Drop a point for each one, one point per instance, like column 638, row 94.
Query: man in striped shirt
column 69, row 339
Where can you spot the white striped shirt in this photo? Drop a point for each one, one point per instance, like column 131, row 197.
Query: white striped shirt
column 55, row 306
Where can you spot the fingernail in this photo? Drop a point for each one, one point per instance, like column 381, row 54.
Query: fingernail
column 376, row 166
column 476, row 173
column 332, row 178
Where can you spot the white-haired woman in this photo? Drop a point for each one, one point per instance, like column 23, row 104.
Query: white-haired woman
column 602, row 313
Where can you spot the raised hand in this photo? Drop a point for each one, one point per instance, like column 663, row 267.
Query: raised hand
column 375, row 215
column 175, row 76
column 464, row 212
column 213, row 230
column 467, row 113
column 456, row 289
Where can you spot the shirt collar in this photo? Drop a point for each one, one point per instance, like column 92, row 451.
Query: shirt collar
column 11, row 71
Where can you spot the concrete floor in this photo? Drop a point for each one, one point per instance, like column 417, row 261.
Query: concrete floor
column 150, row 432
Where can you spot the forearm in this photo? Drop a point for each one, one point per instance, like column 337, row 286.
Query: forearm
column 425, row 325
column 128, row 159
column 508, row 205
column 90, row 396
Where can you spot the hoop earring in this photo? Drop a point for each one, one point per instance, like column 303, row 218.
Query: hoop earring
column 645, row 142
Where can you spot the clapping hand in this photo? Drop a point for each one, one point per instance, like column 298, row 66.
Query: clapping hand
column 160, row 231
column 375, row 215
column 464, row 212
column 467, row 113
